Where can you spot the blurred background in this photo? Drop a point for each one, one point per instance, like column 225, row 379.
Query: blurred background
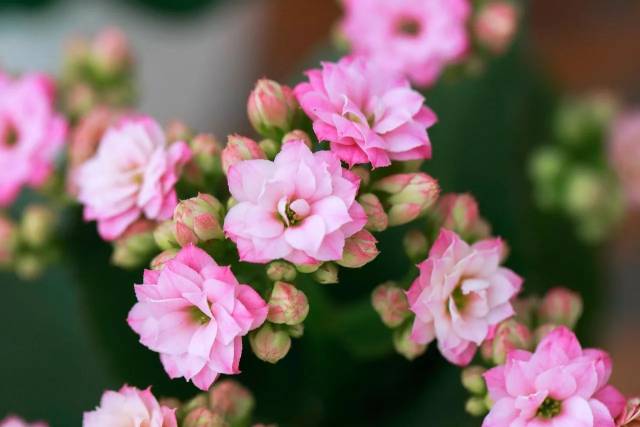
column 64, row 338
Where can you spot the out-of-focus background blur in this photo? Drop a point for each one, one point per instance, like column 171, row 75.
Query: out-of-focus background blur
column 63, row 337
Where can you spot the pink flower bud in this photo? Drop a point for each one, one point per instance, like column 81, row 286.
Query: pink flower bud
column 240, row 148
column 298, row 135
column 76, row 52
column 136, row 246
column 630, row 416
column 232, row 401
column 542, row 331
column 391, row 304
column 281, row 270
column 37, row 225
column 416, row 245
column 377, row 219
column 496, row 25
column 359, row 249
column 288, row 305
column 80, row 99
column 326, row 274
column 88, row 133
column 206, row 162
column 178, row 130
column 560, row 306
column 404, row 345
column 165, row 236
column 111, row 51
column 8, row 241
column 458, row 212
column 272, row 108
column 270, row 343
column 510, row 335
column 203, row 417
column 201, row 400
column 472, row 379
column 198, row 219
column 162, row 258
column 410, row 195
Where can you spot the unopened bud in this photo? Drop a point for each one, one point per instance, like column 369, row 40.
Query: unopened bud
column 136, row 245
column 296, row 331
column 391, row 304
column 496, row 25
column 476, row 406
column 586, row 190
column 526, row 309
column 326, row 274
column 630, row 416
column 298, row 135
column 288, row 305
column 270, row 343
column 206, row 157
column 272, row 108
column 29, row 266
column 542, row 331
column 240, row 148
column 232, row 401
column 201, row 400
column 415, row 245
column 170, row 402
column 472, row 379
column 404, row 345
column 88, row 133
column 8, row 241
column 362, row 173
column 198, row 219
column 560, row 306
column 410, row 195
column 510, row 335
column 203, row 417
column 269, row 147
column 281, row 270
column 37, row 225
column 178, row 130
column 377, row 219
column 111, row 51
column 162, row 258
column 309, row 268
column 458, row 212
column 165, row 236
column 359, row 249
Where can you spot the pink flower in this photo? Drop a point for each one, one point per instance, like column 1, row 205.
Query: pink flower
column 31, row 133
column 559, row 385
column 195, row 313
column 130, row 407
column 624, row 152
column 496, row 25
column 300, row 207
column 132, row 175
column 416, row 37
column 368, row 115
column 461, row 293
column 13, row 421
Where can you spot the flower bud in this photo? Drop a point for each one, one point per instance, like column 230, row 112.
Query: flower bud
column 458, row 212
column 377, row 219
column 37, row 225
column 410, row 195
column 496, row 25
column 542, row 331
column 240, row 148
column 201, row 400
column 88, row 133
column 630, row 416
column 287, row 304
column 391, row 304
column 526, row 309
column 8, row 241
column 178, row 130
column 170, row 402
column 476, row 406
column 362, row 173
column 296, row 331
column 359, row 249
column 560, row 306
column 281, row 270
column 586, row 190
column 29, row 266
column 162, row 258
column 203, row 417
column 269, row 343
column 326, row 274
column 472, row 379
column 205, row 158
column 416, row 245
column 405, row 346
column 510, row 335
column 232, row 401
column 136, row 245
column 111, row 51
column 165, row 236
column 298, row 135
column 269, row 147
column 272, row 108
column 198, row 219
column 308, row 268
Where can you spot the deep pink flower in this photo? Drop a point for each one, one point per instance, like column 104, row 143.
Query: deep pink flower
column 462, row 291
column 195, row 313
column 300, row 207
column 559, row 385
column 416, row 37
column 130, row 407
column 132, row 175
column 367, row 114
column 31, row 133
column 624, row 152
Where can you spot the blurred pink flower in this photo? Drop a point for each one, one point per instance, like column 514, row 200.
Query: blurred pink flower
column 462, row 291
column 624, row 153
column 31, row 133
column 13, row 421
column 130, row 407
column 194, row 313
column 416, row 37
column 496, row 25
column 300, row 207
column 132, row 175
column 559, row 385
column 367, row 114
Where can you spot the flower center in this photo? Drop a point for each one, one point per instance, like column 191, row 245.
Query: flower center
column 408, row 26
column 459, row 298
column 355, row 119
column 549, row 408
column 198, row 316
column 293, row 212
column 10, row 135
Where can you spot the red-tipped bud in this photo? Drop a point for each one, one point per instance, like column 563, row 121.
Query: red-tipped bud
column 162, row 258
column 404, row 345
column 496, row 25
column 298, row 135
column 326, row 274
column 391, row 304
column 232, row 401
column 560, row 306
column 178, row 130
column 281, row 270
column 510, row 335
column 111, row 51
column 272, row 108
column 288, row 305
column 270, row 343
column 415, row 245
column 630, row 416
column 198, row 220
column 377, row 219
column 410, row 195
column 240, row 148
column 204, row 417
column 458, row 212
column 359, row 249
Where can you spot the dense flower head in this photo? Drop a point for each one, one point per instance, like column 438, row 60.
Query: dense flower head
column 461, row 294
column 194, row 313
column 132, row 175
column 31, row 133
column 560, row 384
column 367, row 114
column 301, row 207
column 624, row 152
column 417, row 37
column 130, row 407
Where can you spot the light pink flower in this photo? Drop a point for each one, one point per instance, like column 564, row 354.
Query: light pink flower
column 624, row 153
column 13, row 421
column 559, row 385
column 461, row 293
column 300, row 207
column 130, row 407
column 132, row 175
column 417, row 37
column 368, row 115
column 31, row 133
column 194, row 313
